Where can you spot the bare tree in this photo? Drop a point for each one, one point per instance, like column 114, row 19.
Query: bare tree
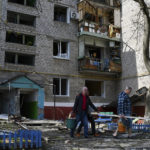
column 144, row 7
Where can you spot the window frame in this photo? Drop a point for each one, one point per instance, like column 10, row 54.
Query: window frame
column 60, row 50
column 68, row 16
column 17, row 58
column 24, row 36
column 25, row 3
column 103, row 88
column 19, row 17
column 68, row 88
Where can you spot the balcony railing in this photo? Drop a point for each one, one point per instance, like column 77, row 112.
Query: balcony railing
column 116, row 3
column 110, row 32
column 92, row 22
column 98, row 65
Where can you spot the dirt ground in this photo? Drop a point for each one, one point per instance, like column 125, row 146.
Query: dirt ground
column 56, row 137
column 60, row 140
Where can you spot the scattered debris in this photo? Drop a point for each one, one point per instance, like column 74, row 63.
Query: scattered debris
column 4, row 117
column 42, row 122
column 23, row 126
column 67, row 141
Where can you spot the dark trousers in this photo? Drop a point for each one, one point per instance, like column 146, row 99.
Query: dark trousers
column 83, row 118
column 91, row 120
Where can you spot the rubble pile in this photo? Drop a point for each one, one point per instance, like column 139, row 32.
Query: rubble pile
column 55, row 136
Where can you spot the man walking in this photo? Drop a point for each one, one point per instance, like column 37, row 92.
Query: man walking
column 81, row 108
column 124, row 109
column 91, row 120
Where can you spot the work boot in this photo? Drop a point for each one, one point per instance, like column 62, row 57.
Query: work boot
column 78, row 134
column 72, row 134
column 96, row 134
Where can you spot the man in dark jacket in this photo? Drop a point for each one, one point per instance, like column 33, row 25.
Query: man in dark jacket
column 91, row 120
column 124, row 109
column 81, row 108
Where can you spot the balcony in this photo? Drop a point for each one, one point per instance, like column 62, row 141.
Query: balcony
column 98, row 66
column 98, row 22
column 107, row 3
column 102, row 35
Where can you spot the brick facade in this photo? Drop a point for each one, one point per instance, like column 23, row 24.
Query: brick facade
column 46, row 66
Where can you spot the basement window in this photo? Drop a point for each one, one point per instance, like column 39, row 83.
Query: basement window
column 96, row 88
column 61, row 14
column 30, row 3
column 18, row 18
column 61, row 49
column 20, row 59
column 61, row 87
column 20, row 38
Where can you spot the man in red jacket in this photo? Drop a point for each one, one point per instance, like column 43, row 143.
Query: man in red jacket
column 81, row 109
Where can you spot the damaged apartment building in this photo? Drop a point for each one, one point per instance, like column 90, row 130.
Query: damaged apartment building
column 49, row 49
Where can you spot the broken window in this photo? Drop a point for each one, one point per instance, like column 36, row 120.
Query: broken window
column 60, row 87
column 25, row 59
column 60, row 13
column 20, row 38
column 10, row 57
column 27, row 20
column 61, row 49
column 22, row 59
column 29, row 40
column 30, row 3
column 64, row 88
column 94, row 87
column 17, row 1
column 11, row 17
column 56, row 86
column 14, row 37
column 18, row 18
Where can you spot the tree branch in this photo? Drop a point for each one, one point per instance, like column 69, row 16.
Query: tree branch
column 145, row 10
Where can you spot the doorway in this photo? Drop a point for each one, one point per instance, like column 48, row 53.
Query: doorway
column 28, row 104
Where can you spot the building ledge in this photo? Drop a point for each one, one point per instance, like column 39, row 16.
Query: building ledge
column 102, row 73
column 22, row 28
column 84, row 33
column 19, row 47
column 103, row 5
column 19, row 8
column 100, row 5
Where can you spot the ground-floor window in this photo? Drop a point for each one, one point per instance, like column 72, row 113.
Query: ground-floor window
column 61, row 87
column 96, row 88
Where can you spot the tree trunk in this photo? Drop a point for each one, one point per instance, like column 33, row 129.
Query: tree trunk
column 146, row 60
column 146, row 56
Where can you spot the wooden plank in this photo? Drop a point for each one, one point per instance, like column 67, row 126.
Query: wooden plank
column 34, row 122
column 117, row 116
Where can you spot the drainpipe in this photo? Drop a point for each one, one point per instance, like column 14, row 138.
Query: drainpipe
column 54, row 101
